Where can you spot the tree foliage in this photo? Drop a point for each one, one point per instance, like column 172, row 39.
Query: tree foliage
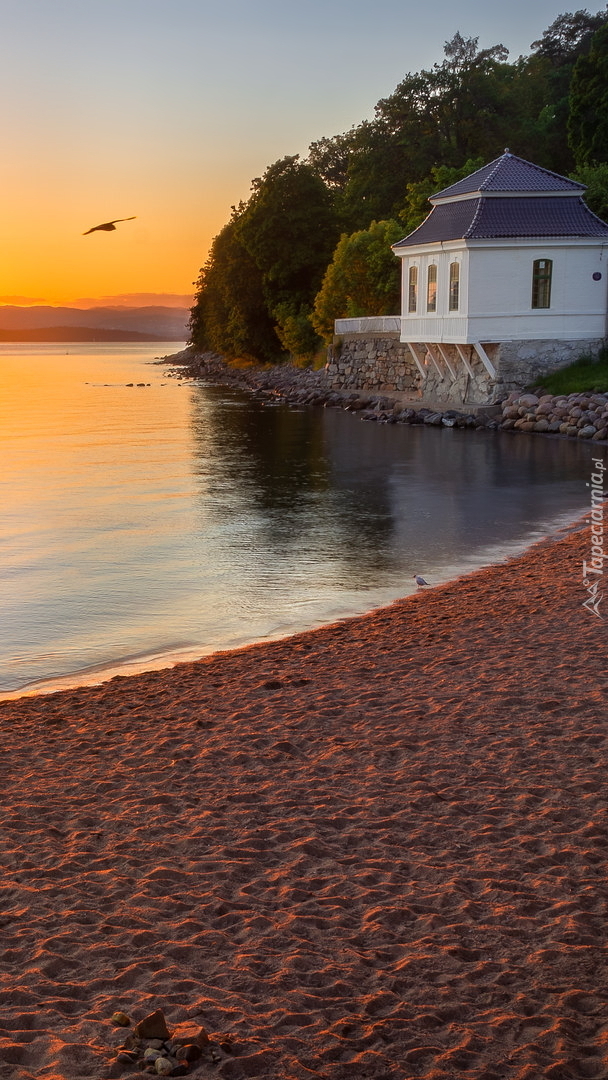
column 255, row 292
column 569, row 36
column 290, row 230
column 554, row 58
column 416, row 207
column 595, row 178
column 229, row 315
column 462, row 108
column 362, row 279
column 270, row 284
column 588, row 119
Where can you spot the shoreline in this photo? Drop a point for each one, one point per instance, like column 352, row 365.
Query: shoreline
column 571, row 417
column 102, row 673
column 375, row 849
column 576, row 526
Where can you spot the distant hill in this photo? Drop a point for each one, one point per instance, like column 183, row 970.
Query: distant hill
column 77, row 333
column 154, row 323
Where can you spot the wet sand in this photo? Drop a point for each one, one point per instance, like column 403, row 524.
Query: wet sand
column 375, row 850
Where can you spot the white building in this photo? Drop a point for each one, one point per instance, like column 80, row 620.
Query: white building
column 504, row 280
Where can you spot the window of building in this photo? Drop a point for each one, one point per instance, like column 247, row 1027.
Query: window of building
column 454, row 286
column 431, row 288
column 412, row 298
column 541, row 283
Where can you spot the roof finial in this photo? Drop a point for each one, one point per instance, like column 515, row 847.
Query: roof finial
column 507, row 151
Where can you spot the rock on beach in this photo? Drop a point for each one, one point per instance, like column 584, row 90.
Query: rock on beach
column 153, row 1048
column 581, row 416
column 578, row 416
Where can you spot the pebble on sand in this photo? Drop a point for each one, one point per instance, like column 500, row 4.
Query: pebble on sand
column 153, row 1026
column 120, row 1019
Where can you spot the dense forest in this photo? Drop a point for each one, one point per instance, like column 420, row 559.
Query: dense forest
column 312, row 242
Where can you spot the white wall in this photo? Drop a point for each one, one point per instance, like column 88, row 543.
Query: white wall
column 501, row 280
column 442, row 257
column 496, row 292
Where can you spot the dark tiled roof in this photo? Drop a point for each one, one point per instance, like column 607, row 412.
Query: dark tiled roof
column 485, row 219
column 535, row 217
column 510, row 173
column 450, row 221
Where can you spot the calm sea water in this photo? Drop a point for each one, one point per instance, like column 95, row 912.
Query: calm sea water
column 145, row 524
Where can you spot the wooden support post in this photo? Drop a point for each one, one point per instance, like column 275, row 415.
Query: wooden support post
column 448, row 362
column 429, row 349
column 417, row 359
column 485, row 359
column 463, row 356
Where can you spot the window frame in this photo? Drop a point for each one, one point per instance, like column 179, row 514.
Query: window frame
column 431, row 288
column 454, row 286
column 542, row 280
column 412, row 289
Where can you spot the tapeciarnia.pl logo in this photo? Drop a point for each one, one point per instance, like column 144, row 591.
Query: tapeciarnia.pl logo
column 593, row 570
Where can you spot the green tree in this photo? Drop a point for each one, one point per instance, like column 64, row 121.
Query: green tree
column 363, row 278
column 229, row 315
column 459, row 109
column 380, row 163
column 289, row 229
column 588, row 117
column 568, row 36
column 554, row 57
column 329, row 158
column 255, row 293
column 595, row 177
column 417, row 206
column 295, row 330
column 469, row 105
column 459, row 103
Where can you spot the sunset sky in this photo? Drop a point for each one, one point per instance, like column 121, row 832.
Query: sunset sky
column 166, row 109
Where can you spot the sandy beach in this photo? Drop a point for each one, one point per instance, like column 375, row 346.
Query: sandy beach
column 375, row 850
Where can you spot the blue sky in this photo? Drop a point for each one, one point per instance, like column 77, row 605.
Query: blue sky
column 168, row 108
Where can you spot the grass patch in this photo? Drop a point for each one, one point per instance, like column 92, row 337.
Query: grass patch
column 588, row 373
column 244, row 364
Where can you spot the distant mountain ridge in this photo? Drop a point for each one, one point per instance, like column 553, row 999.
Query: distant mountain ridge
column 77, row 333
column 156, row 322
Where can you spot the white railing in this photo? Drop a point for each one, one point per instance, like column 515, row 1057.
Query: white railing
column 377, row 324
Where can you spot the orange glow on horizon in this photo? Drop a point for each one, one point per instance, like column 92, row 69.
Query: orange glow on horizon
column 154, row 259
column 170, row 119
column 126, row 300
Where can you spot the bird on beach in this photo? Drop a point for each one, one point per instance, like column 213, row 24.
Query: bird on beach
column 108, row 226
column 420, row 580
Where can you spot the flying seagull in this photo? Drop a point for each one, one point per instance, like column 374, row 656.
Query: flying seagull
column 108, row 226
column 420, row 580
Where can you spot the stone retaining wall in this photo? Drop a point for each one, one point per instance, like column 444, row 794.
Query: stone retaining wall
column 380, row 362
column 372, row 362
column 524, row 363
column 580, row 416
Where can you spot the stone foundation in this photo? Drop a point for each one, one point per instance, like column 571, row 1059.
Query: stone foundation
column 466, row 389
column 380, row 362
column 523, row 363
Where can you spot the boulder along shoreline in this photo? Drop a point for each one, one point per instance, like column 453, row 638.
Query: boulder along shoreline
column 575, row 416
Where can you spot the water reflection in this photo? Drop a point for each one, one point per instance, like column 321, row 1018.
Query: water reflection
column 174, row 520
column 365, row 500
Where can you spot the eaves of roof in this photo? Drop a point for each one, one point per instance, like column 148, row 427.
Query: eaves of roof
column 496, row 218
